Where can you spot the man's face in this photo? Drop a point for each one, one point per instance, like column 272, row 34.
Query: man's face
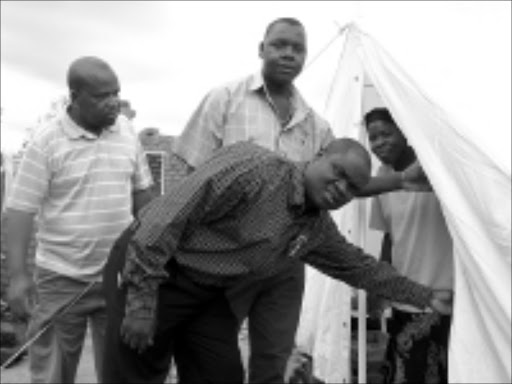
column 333, row 180
column 283, row 53
column 386, row 141
column 98, row 101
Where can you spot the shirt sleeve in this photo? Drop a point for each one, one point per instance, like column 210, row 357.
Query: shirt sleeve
column 204, row 132
column 32, row 179
column 161, row 223
column 338, row 258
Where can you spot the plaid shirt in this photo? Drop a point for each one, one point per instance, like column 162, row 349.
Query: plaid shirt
column 242, row 214
column 242, row 111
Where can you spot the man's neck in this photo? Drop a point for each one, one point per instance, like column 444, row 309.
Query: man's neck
column 407, row 157
column 73, row 114
column 279, row 90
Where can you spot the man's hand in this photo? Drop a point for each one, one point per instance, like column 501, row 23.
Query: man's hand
column 137, row 332
column 442, row 301
column 21, row 295
column 299, row 369
column 414, row 179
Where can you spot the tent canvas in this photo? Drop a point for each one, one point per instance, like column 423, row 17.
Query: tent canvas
column 475, row 195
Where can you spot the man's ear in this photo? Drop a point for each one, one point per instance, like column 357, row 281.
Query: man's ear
column 73, row 95
column 261, row 47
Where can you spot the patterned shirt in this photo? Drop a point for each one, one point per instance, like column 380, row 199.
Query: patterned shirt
column 80, row 187
column 242, row 111
column 243, row 214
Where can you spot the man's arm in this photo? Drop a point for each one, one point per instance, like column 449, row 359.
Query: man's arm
column 344, row 261
column 156, row 233
column 411, row 179
column 204, row 131
column 20, row 293
column 153, row 239
column 376, row 304
column 25, row 199
column 141, row 197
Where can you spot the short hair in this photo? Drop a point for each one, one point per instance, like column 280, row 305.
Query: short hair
column 345, row 145
column 75, row 81
column 80, row 70
column 287, row 20
column 378, row 114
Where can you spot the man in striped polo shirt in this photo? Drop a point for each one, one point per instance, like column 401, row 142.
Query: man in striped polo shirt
column 82, row 176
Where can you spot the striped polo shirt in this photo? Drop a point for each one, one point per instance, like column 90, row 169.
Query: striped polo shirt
column 80, row 186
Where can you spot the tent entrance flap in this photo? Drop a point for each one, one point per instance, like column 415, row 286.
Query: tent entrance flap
column 475, row 195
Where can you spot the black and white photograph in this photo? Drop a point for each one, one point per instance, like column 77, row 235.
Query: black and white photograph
column 256, row 192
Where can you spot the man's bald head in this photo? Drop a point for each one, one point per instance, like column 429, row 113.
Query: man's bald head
column 337, row 174
column 347, row 145
column 85, row 70
column 94, row 93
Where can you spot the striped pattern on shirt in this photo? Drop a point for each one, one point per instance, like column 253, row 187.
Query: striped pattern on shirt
column 80, row 186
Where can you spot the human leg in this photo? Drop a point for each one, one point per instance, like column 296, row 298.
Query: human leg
column 55, row 354
column 122, row 364
column 273, row 321
column 98, row 327
column 180, row 303
column 207, row 348
column 438, row 351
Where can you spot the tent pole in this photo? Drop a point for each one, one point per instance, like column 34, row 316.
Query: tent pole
column 363, row 239
column 361, row 305
column 361, row 337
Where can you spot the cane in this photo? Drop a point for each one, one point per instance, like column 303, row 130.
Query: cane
column 61, row 311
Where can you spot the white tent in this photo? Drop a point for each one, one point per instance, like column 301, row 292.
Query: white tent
column 475, row 194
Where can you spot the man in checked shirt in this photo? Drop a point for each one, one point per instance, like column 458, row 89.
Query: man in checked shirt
column 267, row 109
column 247, row 213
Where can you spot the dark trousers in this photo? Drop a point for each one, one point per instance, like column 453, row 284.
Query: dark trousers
column 195, row 325
column 272, row 307
column 417, row 350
